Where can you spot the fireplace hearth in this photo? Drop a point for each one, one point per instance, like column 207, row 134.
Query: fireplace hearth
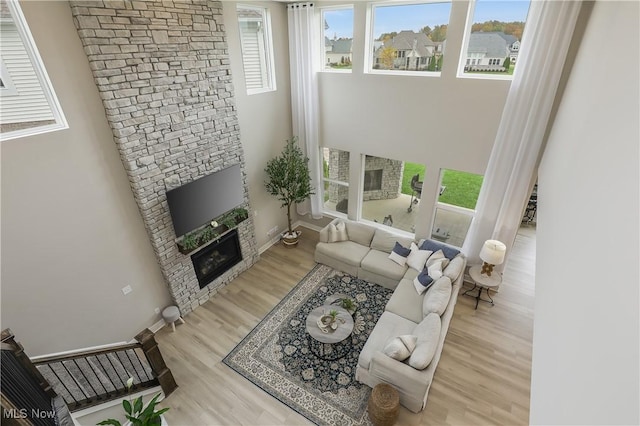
column 217, row 258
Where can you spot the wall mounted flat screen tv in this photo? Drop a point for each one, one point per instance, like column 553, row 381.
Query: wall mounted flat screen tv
column 202, row 200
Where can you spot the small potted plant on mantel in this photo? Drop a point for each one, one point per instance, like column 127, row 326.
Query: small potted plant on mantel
column 289, row 180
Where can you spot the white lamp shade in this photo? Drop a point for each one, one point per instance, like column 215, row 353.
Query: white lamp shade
column 493, row 252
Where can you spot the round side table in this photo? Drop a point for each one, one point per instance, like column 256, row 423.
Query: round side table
column 483, row 282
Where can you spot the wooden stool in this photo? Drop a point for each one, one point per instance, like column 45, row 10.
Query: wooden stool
column 384, row 404
column 171, row 314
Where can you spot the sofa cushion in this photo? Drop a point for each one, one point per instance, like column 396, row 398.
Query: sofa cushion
column 384, row 240
column 435, row 269
column 428, row 333
column 449, row 252
column 337, row 232
column 437, row 298
column 389, row 325
column 418, row 258
column 401, row 347
column 347, row 251
column 410, row 274
column 422, row 282
column 454, row 269
column 378, row 262
column 405, row 302
column 360, row 233
column 399, row 254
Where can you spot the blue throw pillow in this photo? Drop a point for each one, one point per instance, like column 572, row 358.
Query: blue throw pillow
column 434, row 246
column 422, row 282
column 399, row 254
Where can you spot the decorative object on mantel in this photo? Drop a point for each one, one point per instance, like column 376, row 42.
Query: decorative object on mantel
column 211, row 231
column 492, row 253
column 289, row 181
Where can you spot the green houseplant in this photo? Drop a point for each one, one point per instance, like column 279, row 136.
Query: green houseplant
column 137, row 413
column 290, row 182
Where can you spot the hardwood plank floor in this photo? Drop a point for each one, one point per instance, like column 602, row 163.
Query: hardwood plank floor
column 483, row 377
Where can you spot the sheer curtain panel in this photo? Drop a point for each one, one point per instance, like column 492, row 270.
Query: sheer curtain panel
column 304, row 60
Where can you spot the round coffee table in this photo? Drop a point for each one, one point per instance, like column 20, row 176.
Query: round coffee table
column 329, row 345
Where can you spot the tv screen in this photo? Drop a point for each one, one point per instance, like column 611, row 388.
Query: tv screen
column 198, row 202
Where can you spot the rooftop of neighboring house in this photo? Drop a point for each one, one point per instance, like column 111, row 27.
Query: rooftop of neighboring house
column 341, row 45
column 408, row 40
column 492, row 44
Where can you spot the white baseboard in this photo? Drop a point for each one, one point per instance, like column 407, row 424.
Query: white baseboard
column 268, row 244
column 157, row 326
column 307, row 225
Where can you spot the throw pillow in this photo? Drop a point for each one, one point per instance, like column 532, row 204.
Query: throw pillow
column 428, row 333
column 401, row 347
column 422, row 282
column 454, row 269
column 337, row 232
column 435, row 269
column 438, row 256
column 399, row 254
column 417, row 258
column 437, row 298
column 449, row 252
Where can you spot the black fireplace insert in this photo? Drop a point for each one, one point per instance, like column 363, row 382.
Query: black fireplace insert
column 217, row 258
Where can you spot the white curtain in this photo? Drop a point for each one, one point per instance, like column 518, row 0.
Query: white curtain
column 507, row 181
column 303, row 47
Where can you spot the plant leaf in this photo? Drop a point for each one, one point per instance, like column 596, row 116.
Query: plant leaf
column 127, row 406
column 137, row 405
column 110, row 422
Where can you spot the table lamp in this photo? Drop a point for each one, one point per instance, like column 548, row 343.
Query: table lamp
column 492, row 253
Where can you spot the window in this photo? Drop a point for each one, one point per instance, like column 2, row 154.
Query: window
column 28, row 104
column 493, row 38
column 337, row 24
column 456, row 206
column 335, row 167
column 408, row 38
column 391, row 192
column 256, row 43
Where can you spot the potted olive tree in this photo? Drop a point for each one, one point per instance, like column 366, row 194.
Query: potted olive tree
column 289, row 181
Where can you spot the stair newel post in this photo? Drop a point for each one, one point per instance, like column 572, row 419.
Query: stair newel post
column 9, row 342
column 152, row 353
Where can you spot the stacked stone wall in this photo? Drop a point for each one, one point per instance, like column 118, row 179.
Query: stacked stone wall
column 162, row 71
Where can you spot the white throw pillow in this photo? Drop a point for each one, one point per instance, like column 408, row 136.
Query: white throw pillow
column 437, row 298
column 454, row 269
column 401, row 347
column 417, row 258
column 337, row 232
column 428, row 333
column 435, row 257
column 435, row 269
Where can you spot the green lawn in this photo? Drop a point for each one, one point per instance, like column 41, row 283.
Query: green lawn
column 462, row 188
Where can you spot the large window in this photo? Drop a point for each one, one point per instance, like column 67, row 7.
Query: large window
column 257, row 49
column 28, row 104
column 408, row 37
column 492, row 41
column 456, row 206
column 335, row 166
column 337, row 24
column 391, row 192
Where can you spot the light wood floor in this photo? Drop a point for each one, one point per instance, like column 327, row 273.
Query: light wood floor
column 483, row 377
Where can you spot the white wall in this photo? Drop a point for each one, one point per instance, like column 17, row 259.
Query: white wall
column 586, row 334
column 265, row 118
column 72, row 235
column 442, row 122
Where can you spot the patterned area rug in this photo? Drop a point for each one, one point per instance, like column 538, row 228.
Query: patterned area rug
column 278, row 356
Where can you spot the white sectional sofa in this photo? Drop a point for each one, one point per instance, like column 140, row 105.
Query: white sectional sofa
column 425, row 317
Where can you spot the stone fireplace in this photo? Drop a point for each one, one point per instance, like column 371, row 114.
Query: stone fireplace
column 162, row 71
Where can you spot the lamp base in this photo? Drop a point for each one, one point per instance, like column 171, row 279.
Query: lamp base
column 487, row 269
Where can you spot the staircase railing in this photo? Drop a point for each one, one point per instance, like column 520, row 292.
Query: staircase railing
column 91, row 377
